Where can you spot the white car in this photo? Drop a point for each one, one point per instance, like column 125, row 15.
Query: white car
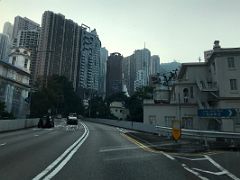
column 72, row 119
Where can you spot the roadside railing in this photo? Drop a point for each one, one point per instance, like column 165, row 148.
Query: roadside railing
column 202, row 133
column 230, row 137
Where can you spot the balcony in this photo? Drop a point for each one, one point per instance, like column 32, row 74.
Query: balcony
column 207, row 86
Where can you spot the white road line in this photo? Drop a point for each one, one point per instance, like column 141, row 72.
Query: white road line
column 190, row 159
column 36, row 135
column 167, row 155
column 210, row 172
column 221, row 168
column 3, row 144
column 118, row 149
column 73, row 148
column 194, row 172
column 64, row 162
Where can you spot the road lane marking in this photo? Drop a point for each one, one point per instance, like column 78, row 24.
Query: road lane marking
column 65, row 157
column 36, row 135
column 3, row 144
column 194, row 172
column 129, row 157
column 210, row 172
column 191, row 159
column 221, row 168
column 102, row 150
column 65, row 161
column 146, row 148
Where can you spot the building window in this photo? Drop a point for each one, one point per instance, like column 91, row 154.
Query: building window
column 169, row 120
column 191, row 92
column 233, row 84
column 187, row 122
column 185, row 95
column 14, row 60
column 25, row 63
column 214, row 67
column 231, row 63
column 152, row 119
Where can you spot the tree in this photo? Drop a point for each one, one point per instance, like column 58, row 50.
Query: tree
column 135, row 103
column 98, row 108
column 58, row 95
column 2, row 107
column 4, row 114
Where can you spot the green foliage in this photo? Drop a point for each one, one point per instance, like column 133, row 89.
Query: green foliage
column 58, row 95
column 2, row 107
column 3, row 113
column 98, row 108
column 133, row 103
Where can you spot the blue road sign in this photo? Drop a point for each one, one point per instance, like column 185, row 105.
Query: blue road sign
column 217, row 112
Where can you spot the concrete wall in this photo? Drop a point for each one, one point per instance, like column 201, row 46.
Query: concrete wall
column 126, row 124
column 10, row 125
column 224, row 74
column 163, row 114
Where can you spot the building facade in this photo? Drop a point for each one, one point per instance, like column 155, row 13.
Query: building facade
column 28, row 39
column 114, row 73
column 23, row 23
column 103, row 71
column 154, row 66
column 8, row 29
column 14, row 82
column 67, row 49
column 4, row 46
column 118, row 110
column 141, row 60
column 58, row 47
column 206, row 95
column 89, row 67
column 126, row 68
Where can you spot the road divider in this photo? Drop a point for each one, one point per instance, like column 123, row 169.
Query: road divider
column 62, row 160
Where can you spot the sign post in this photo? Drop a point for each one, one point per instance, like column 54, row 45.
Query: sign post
column 176, row 130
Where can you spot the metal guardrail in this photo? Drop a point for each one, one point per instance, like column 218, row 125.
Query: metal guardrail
column 203, row 133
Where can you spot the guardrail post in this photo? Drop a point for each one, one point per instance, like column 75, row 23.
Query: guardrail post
column 205, row 142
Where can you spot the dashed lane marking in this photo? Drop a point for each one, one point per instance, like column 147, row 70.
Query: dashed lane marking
column 36, row 135
column 3, row 144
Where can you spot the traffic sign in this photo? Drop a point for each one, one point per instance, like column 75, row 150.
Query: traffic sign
column 217, row 113
column 176, row 130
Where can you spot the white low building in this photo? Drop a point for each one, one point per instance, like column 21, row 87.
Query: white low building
column 14, row 82
column 206, row 95
column 118, row 110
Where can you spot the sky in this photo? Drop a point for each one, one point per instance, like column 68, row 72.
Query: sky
column 173, row 29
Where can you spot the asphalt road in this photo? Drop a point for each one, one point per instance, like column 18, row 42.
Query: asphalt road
column 94, row 151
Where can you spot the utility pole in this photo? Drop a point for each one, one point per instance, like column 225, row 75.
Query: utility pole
column 179, row 110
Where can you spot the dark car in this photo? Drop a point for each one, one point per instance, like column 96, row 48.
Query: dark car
column 46, row 122
column 72, row 119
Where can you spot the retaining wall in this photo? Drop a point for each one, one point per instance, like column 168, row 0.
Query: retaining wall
column 15, row 124
column 126, row 124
